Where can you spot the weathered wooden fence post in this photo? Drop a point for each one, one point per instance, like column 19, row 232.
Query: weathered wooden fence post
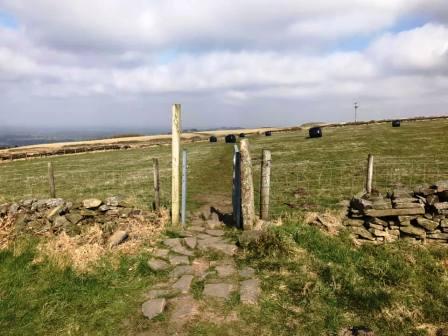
column 184, row 186
column 176, row 111
column 236, row 190
column 51, row 180
column 369, row 178
column 155, row 162
column 265, row 184
column 247, row 187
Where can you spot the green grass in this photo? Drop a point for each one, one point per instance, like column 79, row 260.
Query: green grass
column 313, row 284
column 328, row 284
column 307, row 173
column 322, row 172
column 41, row 299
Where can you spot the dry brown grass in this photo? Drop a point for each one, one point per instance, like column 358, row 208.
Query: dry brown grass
column 399, row 313
column 82, row 252
column 330, row 220
column 6, row 231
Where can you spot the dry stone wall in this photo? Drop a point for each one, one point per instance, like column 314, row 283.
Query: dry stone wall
column 419, row 215
column 56, row 215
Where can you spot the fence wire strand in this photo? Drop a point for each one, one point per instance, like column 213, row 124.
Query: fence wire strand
column 308, row 185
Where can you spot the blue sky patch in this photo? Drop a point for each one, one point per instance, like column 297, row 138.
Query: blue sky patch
column 7, row 20
column 361, row 42
column 167, row 56
column 408, row 23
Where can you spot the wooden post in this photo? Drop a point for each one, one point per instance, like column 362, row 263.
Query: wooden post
column 369, row 178
column 156, row 184
column 51, row 180
column 175, row 134
column 247, row 187
column 265, row 184
column 184, row 187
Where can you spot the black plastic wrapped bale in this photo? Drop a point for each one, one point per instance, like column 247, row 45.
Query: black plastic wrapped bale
column 213, row 139
column 315, row 132
column 242, row 135
column 396, row 123
column 230, row 138
column 268, row 133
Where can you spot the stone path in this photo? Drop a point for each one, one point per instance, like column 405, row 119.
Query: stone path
column 187, row 260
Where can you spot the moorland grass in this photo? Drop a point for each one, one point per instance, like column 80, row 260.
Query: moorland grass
column 328, row 284
column 313, row 284
column 43, row 299
column 307, row 174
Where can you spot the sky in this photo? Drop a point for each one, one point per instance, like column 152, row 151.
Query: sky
column 245, row 63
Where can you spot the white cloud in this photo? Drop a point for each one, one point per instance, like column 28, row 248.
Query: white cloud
column 243, row 52
column 421, row 49
column 117, row 24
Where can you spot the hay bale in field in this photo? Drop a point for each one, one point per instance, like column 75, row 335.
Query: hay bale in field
column 230, row 138
column 396, row 123
column 315, row 132
column 213, row 139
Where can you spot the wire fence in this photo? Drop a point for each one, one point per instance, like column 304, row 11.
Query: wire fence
column 91, row 179
column 316, row 185
column 130, row 175
column 137, row 185
column 296, row 185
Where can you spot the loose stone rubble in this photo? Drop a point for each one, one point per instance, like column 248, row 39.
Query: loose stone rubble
column 419, row 215
column 51, row 217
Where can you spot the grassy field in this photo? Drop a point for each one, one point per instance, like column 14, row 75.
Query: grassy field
column 42, row 299
column 307, row 174
column 313, row 284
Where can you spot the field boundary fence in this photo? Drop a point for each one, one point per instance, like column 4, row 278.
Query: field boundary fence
column 146, row 183
column 294, row 184
column 315, row 185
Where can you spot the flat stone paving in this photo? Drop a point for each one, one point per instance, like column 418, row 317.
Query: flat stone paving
column 158, row 265
column 179, row 260
column 221, row 278
column 153, row 307
column 184, row 283
column 219, row 290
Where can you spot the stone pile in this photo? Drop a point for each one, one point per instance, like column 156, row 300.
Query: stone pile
column 56, row 215
column 419, row 215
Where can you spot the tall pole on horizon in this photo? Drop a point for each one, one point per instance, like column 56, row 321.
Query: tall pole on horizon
column 356, row 111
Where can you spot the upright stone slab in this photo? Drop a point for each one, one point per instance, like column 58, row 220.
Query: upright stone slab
column 247, row 187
